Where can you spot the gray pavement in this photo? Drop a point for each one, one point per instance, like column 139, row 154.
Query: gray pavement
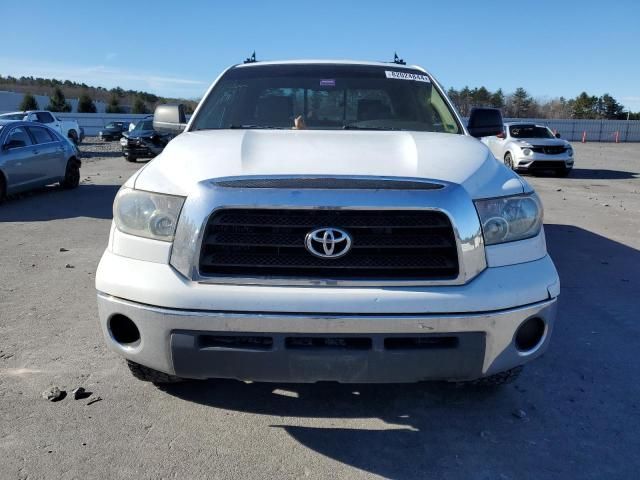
column 581, row 399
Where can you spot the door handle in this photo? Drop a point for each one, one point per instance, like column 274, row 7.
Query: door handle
column 36, row 152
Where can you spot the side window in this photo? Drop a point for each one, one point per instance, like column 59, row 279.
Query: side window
column 45, row 117
column 41, row 135
column 17, row 138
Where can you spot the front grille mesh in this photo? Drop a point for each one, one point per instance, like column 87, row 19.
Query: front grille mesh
column 412, row 245
column 550, row 150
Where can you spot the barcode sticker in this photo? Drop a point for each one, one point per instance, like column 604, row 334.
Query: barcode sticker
column 407, row 76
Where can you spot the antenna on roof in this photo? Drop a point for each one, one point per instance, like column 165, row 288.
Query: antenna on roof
column 252, row 58
column 397, row 60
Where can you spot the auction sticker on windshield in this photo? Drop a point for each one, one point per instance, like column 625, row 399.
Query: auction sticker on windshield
column 407, row 76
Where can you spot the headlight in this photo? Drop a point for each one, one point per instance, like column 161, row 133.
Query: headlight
column 508, row 219
column 145, row 214
column 570, row 151
column 526, row 151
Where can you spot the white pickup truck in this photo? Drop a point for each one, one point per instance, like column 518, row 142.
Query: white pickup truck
column 327, row 221
column 68, row 128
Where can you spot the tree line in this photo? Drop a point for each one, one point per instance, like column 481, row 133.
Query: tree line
column 59, row 90
column 520, row 104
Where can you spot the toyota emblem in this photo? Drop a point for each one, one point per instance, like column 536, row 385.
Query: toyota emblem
column 328, row 242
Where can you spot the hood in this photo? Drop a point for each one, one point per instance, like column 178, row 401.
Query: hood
column 139, row 133
column 196, row 156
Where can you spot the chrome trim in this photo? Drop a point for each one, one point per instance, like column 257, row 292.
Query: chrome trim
column 207, row 198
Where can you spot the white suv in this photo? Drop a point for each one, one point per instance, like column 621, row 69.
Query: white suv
column 327, row 220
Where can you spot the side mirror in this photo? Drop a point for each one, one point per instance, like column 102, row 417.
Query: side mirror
column 501, row 135
column 485, row 122
column 557, row 135
column 169, row 119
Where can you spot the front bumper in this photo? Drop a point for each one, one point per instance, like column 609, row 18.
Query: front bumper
column 538, row 161
column 478, row 320
column 137, row 151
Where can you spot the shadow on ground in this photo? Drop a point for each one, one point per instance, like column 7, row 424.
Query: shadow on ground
column 591, row 174
column 581, row 407
column 54, row 203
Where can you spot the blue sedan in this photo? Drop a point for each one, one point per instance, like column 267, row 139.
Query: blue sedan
column 33, row 155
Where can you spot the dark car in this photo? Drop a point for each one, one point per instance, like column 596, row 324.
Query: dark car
column 113, row 131
column 143, row 141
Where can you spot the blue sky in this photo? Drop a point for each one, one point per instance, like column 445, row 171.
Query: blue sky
column 176, row 48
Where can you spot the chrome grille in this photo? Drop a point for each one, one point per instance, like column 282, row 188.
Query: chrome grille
column 387, row 244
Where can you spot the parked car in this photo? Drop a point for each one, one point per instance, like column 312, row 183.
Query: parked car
column 113, row 131
column 32, row 156
column 327, row 221
column 68, row 128
column 143, row 141
column 527, row 147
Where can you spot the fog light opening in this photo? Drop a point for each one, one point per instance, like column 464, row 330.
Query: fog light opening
column 529, row 335
column 124, row 331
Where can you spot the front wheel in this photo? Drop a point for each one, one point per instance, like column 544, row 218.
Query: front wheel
column 73, row 136
column 3, row 188
column 508, row 160
column 147, row 374
column 497, row 379
column 130, row 158
column 71, row 175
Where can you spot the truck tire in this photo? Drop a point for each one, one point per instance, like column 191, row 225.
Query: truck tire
column 3, row 188
column 73, row 136
column 147, row 374
column 71, row 175
column 498, row 379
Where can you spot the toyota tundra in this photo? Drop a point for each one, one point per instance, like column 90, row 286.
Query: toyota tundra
column 327, row 221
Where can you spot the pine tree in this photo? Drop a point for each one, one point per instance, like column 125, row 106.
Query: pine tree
column 114, row 105
column 85, row 104
column 57, row 102
column 139, row 106
column 28, row 103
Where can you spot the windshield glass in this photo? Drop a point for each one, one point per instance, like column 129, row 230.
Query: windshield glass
column 12, row 116
column 530, row 131
column 326, row 97
column 144, row 125
column 111, row 125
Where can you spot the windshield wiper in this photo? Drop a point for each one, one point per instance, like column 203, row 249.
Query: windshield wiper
column 359, row 127
column 249, row 126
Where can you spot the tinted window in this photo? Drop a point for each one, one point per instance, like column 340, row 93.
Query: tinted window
column 41, row 135
column 13, row 116
column 530, row 131
column 44, row 117
column 19, row 137
column 326, row 97
column 144, row 125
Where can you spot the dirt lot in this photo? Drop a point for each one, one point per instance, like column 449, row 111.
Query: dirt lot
column 580, row 401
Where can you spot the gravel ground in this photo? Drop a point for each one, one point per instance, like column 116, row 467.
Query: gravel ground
column 572, row 414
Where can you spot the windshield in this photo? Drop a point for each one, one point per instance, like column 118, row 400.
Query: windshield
column 144, row 125
column 326, row 97
column 530, row 131
column 12, row 116
column 112, row 125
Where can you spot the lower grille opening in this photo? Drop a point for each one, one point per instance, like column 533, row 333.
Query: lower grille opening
column 328, row 343
column 420, row 343
column 240, row 342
